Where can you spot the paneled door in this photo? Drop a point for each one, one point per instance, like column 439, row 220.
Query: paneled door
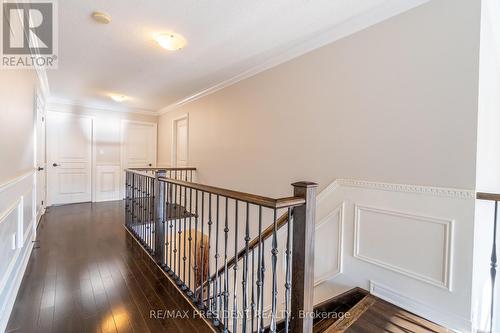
column 138, row 145
column 69, row 158
column 180, row 144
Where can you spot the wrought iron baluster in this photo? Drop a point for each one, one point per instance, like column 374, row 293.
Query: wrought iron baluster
column 493, row 269
column 184, row 234
column 245, row 270
column 274, row 258
column 195, row 268
column 165, row 225
column 226, row 273
column 288, row 270
column 209, row 277
column 150, row 215
column 141, row 206
column 190, row 237
column 174, row 233
column 179, row 237
column 252, row 300
column 262, row 271
column 235, row 269
column 259, row 276
column 202, row 249
column 216, row 287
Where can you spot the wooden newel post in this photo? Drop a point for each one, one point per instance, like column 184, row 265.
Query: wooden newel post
column 304, row 220
column 159, row 216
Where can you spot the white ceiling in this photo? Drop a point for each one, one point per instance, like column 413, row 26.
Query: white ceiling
column 227, row 40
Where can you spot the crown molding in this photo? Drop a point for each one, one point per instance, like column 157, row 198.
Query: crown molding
column 65, row 106
column 405, row 188
column 353, row 25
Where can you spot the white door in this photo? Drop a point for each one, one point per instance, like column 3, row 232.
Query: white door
column 40, row 160
column 69, row 162
column 181, row 142
column 139, row 144
column 138, row 147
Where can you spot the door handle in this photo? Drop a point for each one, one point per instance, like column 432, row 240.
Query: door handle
column 39, row 168
column 150, row 164
column 55, row 164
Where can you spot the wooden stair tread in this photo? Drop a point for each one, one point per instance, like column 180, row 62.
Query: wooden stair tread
column 386, row 317
column 372, row 315
column 354, row 314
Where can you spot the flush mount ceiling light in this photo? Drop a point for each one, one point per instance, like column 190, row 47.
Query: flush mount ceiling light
column 101, row 17
column 118, row 98
column 170, row 41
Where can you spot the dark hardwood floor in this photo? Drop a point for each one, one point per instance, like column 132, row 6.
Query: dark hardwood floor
column 87, row 274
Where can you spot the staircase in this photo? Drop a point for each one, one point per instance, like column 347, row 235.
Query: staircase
column 244, row 261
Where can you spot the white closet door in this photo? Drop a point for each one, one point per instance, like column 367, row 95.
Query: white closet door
column 69, row 162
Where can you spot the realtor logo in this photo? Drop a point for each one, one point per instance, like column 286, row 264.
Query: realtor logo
column 29, row 34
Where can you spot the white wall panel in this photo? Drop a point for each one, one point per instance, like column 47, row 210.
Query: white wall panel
column 107, row 183
column 418, row 240
column 16, row 234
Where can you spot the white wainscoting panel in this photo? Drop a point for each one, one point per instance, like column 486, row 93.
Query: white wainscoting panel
column 423, row 243
column 329, row 240
column 107, row 183
column 17, row 230
column 416, row 239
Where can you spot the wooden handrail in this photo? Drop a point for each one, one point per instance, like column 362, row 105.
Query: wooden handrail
column 488, row 196
column 166, row 169
column 141, row 173
column 268, row 232
column 241, row 196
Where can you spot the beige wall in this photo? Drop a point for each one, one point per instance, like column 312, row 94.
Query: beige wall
column 17, row 98
column 107, row 127
column 396, row 102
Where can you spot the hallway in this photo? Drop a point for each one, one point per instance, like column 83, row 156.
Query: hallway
column 87, row 274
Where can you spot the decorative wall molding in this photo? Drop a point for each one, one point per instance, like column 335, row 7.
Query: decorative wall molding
column 16, row 180
column 15, row 208
column 107, row 182
column 404, row 188
column 17, row 229
column 445, row 282
column 339, row 213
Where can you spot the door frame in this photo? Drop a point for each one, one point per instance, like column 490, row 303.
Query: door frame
column 125, row 122
column 173, row 157
column 92, row 150
column 40, row 113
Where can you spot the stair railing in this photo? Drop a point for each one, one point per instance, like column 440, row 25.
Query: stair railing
column 493, row 258
column 229, row 251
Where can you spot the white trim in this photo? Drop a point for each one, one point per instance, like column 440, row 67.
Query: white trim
column 392, row 187
column 16, row 180
column 445, row 283
column 173, row 157
column 439, row 316
column 352, row 25
column 339, row 211
column 63, row 105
